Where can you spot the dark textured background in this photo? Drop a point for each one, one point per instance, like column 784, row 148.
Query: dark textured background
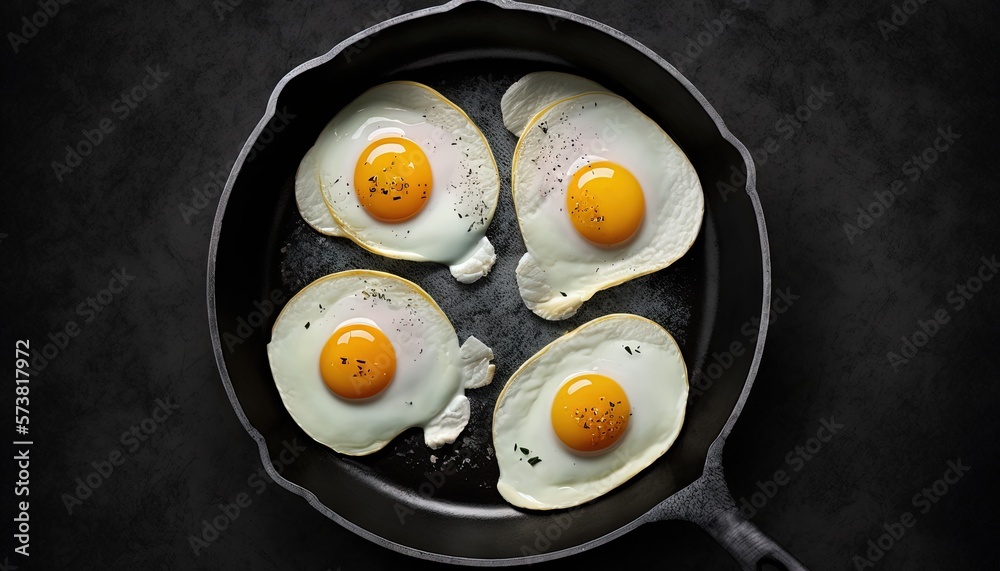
column 826, row 355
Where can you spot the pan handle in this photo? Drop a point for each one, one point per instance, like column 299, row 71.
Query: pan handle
column 708, row 503
column 754, row 549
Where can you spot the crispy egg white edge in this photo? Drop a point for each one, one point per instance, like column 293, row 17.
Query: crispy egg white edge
column 473, row 369
column 534, row 92
column 649, row 334
column 309, row 200
column 310, row 189
column 539, row 288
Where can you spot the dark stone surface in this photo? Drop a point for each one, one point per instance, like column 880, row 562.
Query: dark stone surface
column 826, row 356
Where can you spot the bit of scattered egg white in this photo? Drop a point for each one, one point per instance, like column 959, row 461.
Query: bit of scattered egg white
column 451, row 227
column 561, row 270
column 476, row 265
column 432, row 371
column 654, row 379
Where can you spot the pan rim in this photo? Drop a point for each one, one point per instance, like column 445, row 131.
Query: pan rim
column 664, row 510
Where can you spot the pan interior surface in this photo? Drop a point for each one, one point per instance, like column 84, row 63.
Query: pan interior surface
column 444, row 502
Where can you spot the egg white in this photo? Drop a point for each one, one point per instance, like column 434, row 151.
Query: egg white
column 654, row 378
column 451, row 226
column 536, row 91
column 561, row 270
column 432, row 371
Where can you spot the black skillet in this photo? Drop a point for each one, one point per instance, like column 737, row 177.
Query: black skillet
column 445, row 508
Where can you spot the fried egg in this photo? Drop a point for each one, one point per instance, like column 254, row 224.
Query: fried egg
column 404, row 173
column 588, row 412
column 603, row 195
column 360, row 356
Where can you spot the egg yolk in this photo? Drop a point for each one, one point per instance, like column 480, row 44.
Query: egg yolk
column 590, row 412
column 358, row 361
column 605, row 203
column 393, row 179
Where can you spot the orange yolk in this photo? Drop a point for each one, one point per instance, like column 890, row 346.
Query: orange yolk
column 393, row 179
column 605, row 203
column 590, row 413
column 358, row 361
